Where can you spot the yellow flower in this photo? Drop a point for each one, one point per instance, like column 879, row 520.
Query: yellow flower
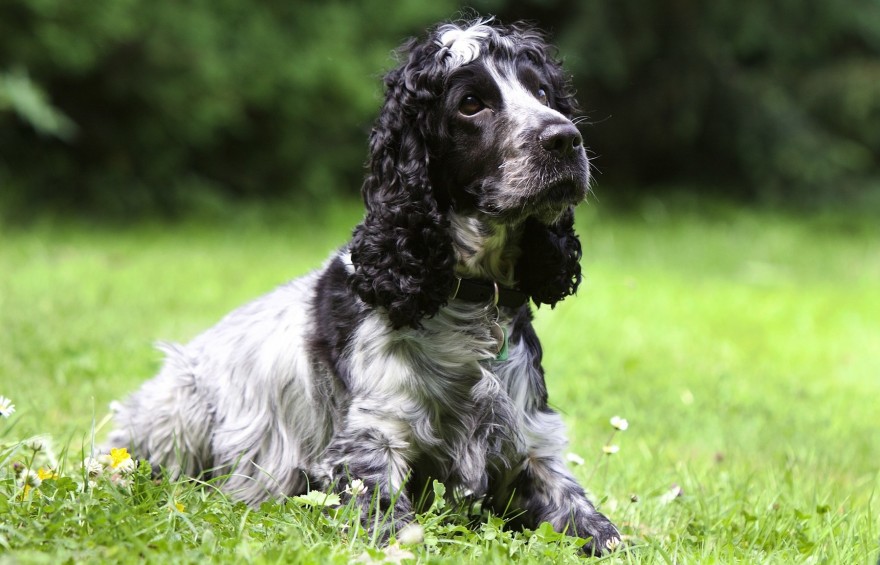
column 44, row 474
column 179, row 507
column 118, row 456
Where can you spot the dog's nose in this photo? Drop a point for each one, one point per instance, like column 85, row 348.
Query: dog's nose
column 562, row 139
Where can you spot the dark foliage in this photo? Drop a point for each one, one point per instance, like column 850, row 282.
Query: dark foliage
column 132, row 106
column 774, row 101
column 169, row 102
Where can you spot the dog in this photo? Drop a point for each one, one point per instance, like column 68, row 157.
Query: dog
column 410, row 355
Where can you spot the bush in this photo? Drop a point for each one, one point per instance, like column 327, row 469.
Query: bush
column 166, row 98
column 768, row 100
column 125, row 105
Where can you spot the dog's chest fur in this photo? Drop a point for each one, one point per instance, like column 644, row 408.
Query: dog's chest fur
column 468, row 424
column 437, row 390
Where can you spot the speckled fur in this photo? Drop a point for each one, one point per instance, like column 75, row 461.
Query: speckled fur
column 365, row 369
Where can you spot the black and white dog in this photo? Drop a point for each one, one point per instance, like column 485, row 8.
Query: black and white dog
column 410, row 355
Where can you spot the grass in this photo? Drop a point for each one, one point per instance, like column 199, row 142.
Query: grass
column 743, row 347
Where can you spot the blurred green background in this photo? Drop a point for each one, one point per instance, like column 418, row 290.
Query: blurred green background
column 162, row 162
column 127, row 108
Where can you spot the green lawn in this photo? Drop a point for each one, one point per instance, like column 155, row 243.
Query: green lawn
column 742, row 346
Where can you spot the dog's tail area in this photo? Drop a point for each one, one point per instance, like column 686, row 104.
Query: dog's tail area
column 169, row 420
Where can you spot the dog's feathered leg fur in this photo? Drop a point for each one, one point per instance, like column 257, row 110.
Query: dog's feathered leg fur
column 368, row 369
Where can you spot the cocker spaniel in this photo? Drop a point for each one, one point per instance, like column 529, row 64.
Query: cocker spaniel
column 410, row 355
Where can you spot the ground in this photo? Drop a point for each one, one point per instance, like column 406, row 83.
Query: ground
column 742, row 347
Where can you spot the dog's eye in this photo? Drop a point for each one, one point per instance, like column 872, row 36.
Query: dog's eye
column 470, row 105
column 542, row 96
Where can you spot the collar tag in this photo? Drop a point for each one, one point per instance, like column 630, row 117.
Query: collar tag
column 500, row 335
column 505, row 342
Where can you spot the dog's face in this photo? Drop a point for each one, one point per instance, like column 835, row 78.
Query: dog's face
column 509, row 151
column 477, row 122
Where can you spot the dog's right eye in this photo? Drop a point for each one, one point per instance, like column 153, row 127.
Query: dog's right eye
column 470, row 105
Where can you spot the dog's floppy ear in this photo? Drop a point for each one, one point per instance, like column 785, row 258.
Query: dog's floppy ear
column 402, row 252
column 549, row 267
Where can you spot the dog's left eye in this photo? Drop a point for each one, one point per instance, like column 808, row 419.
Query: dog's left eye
column 470, row 105
column 542, row 97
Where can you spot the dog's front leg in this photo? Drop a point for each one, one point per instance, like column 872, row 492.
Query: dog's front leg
column 368, row 466
column 546, row 491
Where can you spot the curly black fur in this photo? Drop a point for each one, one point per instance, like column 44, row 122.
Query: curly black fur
column 402, row 253
column 549, row 268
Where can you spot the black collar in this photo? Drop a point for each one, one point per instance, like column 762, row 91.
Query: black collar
column 475, row 290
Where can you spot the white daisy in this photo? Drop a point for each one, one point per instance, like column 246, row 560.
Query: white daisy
column 29, row 479
column 610, row 449
column 619, row 423
column 93, row 467
column 38, row 443
column 412, row 534
column 6, row 407
column 356, row 487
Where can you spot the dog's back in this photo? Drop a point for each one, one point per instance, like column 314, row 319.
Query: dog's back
column 257, row 357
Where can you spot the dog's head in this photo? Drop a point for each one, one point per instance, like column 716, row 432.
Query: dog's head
column 476, row 124
column 507, row 148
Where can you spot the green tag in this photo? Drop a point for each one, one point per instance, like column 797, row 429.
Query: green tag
column 503, row 354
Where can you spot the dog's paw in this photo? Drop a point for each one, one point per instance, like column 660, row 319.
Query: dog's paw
column 602, row 536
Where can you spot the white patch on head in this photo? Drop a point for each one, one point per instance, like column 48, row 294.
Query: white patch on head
column 518, row 99
column 462, row 46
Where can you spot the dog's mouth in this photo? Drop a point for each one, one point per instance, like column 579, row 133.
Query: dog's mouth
column 552, row 199
column 541, row 194
column 563, row 192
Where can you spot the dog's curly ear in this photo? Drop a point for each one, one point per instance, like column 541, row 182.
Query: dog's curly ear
column 402, row 252
column 549, row 267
